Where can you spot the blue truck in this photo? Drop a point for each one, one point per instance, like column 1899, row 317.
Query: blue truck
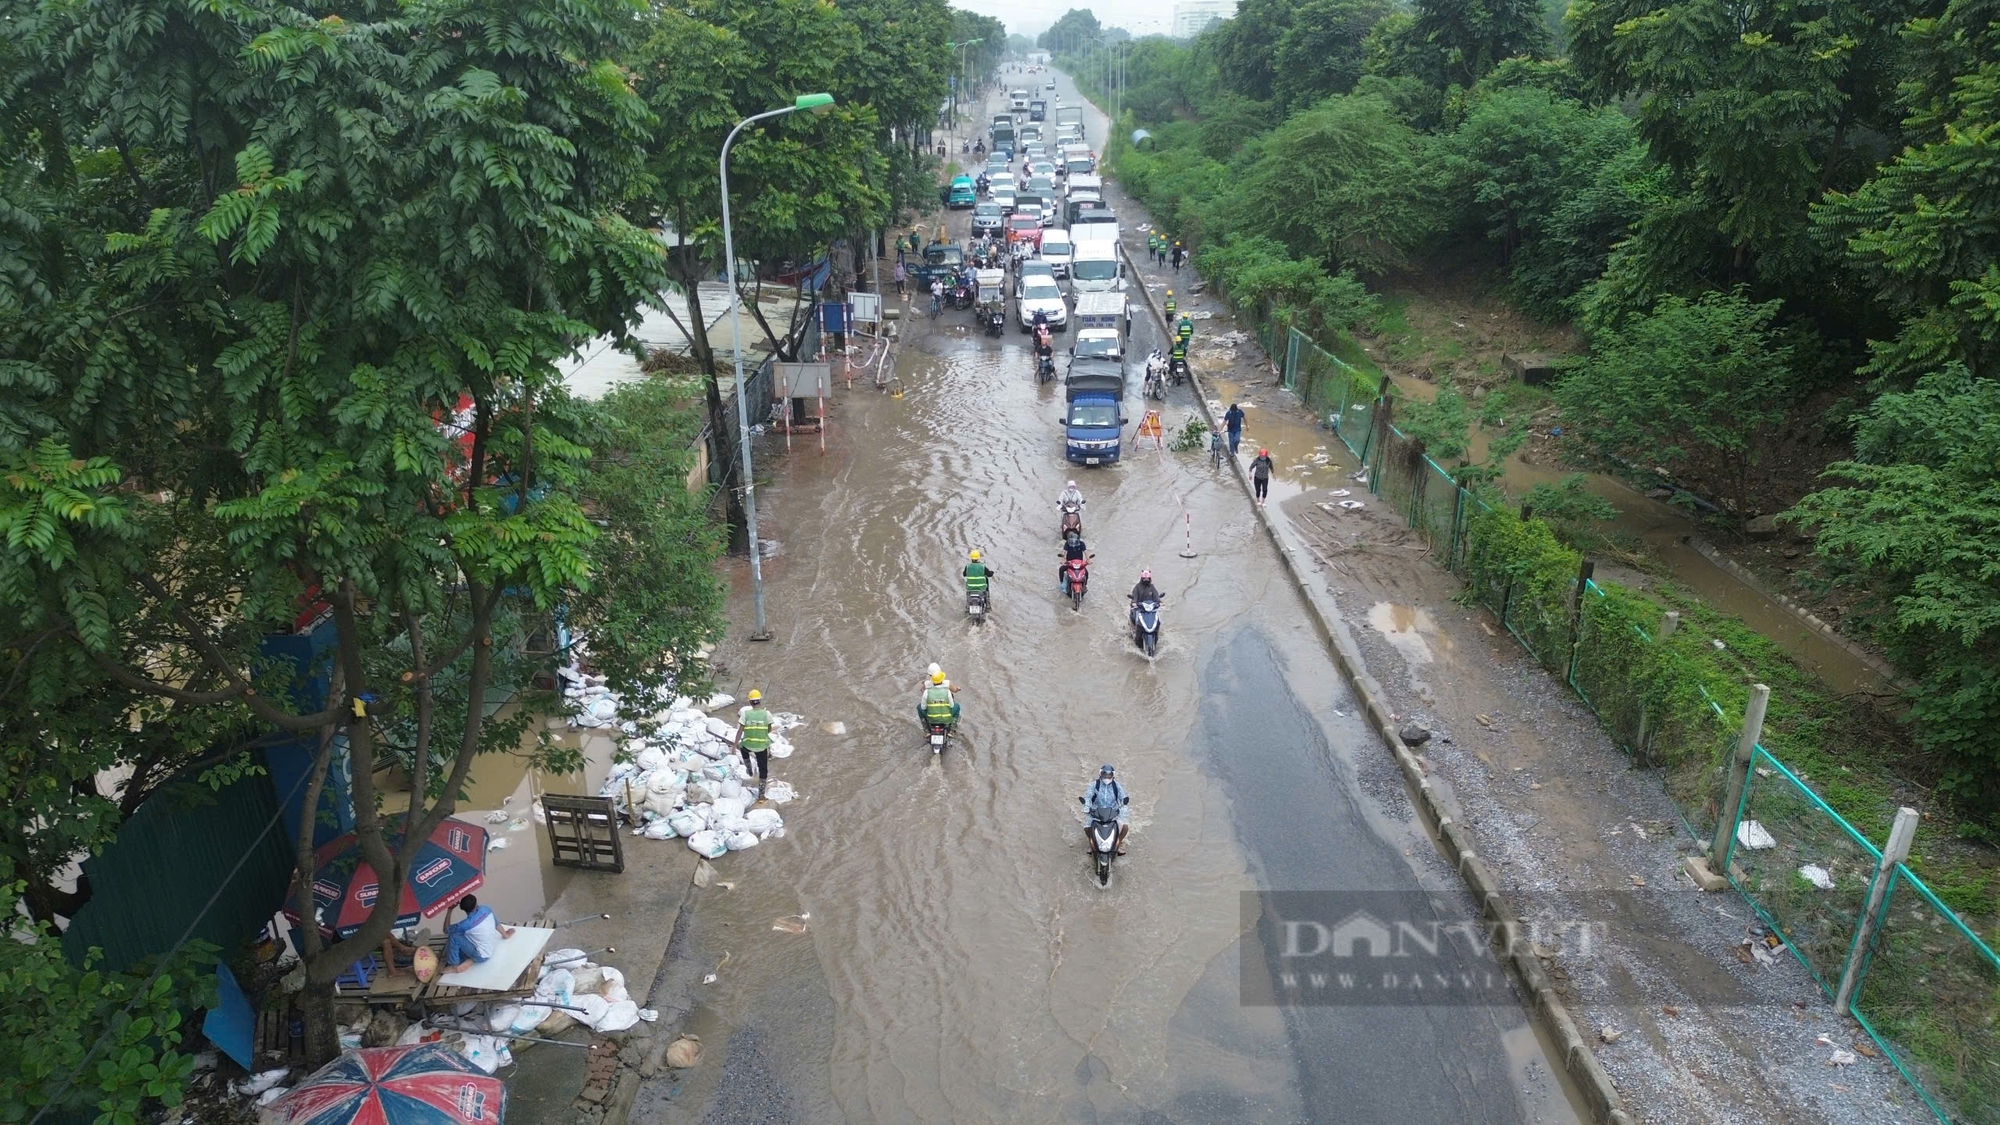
column 1094, row 417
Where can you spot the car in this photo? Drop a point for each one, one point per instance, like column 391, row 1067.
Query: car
column 987, row 218
column 961, row 193
column 1023, row 227
column 1001, row 179
column 1041, row 294
column 1033, row 268
column 1051, row 85
column 1056, row 250
column 1004, row 198
column 1041, row 185
column 1041, row 167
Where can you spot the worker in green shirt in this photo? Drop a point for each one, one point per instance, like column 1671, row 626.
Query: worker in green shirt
column 1171, row 308
column 978, row 577
column 938, row 707
column 753, row 737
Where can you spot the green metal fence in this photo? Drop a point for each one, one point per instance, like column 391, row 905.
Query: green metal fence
column 1927, row 987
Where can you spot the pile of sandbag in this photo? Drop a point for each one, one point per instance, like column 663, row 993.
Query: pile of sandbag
column 685, row 780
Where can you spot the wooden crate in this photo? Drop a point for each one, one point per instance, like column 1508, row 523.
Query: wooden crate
column 583, row 832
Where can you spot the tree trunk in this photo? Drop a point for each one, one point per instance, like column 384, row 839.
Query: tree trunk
column 721, row 427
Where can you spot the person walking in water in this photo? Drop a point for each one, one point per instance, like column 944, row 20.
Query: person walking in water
column 1260, row 475
column 753, row 741
column 1233, row 422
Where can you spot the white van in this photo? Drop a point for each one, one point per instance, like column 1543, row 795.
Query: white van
column 1093, row 263
column 1056, row 250
column 1019, row 100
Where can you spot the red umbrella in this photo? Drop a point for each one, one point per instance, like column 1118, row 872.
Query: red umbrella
column 448, row 866
column 422, row 1084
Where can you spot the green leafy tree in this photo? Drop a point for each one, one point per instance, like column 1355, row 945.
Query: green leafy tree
column 1695, row 386
column 1919, row 231
column 1258, row 272
column 336, row 259
column 1917, row 524
column 1342, row 182
column 1757, row 113
column 1456, row 42
column 1245, row 47
column 1077, row 29
column 1321, row 53
column 55, row 1011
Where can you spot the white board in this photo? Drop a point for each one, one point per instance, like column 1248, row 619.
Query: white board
column 500, row 971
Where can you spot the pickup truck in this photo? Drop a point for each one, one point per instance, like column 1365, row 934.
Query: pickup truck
column 1094, row 414
column 942, row 262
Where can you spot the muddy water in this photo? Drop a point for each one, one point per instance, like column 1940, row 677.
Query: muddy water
column 958, row 961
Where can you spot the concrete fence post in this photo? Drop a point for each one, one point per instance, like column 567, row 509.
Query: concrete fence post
column 1668, row 625
column 1739, row 779
column 1894, row 852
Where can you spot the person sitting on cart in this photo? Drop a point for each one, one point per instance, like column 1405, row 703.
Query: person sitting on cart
column 474, row 938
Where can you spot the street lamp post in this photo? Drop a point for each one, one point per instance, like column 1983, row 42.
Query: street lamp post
column 817, row 103
column 962, row 77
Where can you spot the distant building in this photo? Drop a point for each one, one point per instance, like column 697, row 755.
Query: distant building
column 1192, row 17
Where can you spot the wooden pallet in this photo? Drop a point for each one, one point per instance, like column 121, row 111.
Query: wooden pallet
column 275, row 1041
column 404, row 990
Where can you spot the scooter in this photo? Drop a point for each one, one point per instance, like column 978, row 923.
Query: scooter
column 1146, row 626
column 996, row 323
column 1177, row 370
column 961, row 296
column 1156, row 387
column 940, row 738
column 1045, row 367
column 1072, row 520
column 975, row 605
column 1076, row 579
column 1103, row 838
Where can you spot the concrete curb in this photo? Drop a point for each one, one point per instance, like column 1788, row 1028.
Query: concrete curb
column 1455, row 840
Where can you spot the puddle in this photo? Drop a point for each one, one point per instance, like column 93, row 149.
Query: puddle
column 1405, row 627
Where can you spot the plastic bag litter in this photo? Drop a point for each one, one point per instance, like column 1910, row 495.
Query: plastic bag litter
column 659, row 830
column 762, row 821
column 718, row 700
column 1816, row 875
column 708, row 844
column 1753, row 835
column 496, row 843
column 497, row 816
column 781, row 747
column 272, row 1095
column 258, row 1082
column 780, row 792
column 684, row 1052
column 684, row 823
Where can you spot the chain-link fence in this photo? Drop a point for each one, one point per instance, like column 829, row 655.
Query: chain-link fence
column 1923, row 984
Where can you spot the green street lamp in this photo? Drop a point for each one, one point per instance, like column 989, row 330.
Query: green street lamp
column 816, row 103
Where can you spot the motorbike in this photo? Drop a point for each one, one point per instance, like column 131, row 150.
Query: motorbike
column 1146, row 626
column 1103, row 838
column 1045, row 366
column 1076, row 579
column 975, row 605
column 940, row 736
column 996, row 322
column 961, row 295
column 1156, row 387
column 1072, row 520
column 1177, row 370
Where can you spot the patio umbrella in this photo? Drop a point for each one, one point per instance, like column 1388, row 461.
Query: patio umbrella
column 447, row 865
column 422, row 1084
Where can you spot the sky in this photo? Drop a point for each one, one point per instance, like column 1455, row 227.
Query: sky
column 1030, row 17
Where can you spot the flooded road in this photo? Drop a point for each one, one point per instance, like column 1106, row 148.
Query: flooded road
column 959, row 962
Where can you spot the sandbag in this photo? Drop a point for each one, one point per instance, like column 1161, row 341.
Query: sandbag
column 650, row 759
column 714, row 749
column 562, row 959
column 593, row 1009
column 685, row 714
column 589, row 979
column 718, row 771
column 558, row 1022
column 661, row 781
column 556, row 987
column 731, row 788
column 503, row 1017
column 620, row 1015
column 780, row 792
column 684, row 1052
column 485, row 1052
column 684, row 823
column 730, row 825
column 658, row 830
column 708, row 844
column 781, row 747
column 603, row 710
column 717, row 701
column 738, row 841
column 721, row 729
column 762, row 821
column 729, row 806
column 528, row 1018
column 701, row 791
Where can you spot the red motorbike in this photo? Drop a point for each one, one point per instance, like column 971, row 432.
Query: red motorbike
column 1076, row 577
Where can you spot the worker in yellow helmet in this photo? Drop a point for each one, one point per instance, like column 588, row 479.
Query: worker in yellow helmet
column 938, row 706
column 978, row 577
column 753, row 740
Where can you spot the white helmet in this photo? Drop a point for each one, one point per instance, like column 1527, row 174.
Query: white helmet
column 932, row 670
column 1072, row 484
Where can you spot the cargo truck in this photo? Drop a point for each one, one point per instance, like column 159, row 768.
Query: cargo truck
column 1094, row 417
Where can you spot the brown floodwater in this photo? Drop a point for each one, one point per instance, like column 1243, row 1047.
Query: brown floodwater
column 958, row 962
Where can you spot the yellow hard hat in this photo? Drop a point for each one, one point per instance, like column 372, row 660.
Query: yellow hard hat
column 755, row 695
column 937, row 677
column 1170, row 292
column 975, row 554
